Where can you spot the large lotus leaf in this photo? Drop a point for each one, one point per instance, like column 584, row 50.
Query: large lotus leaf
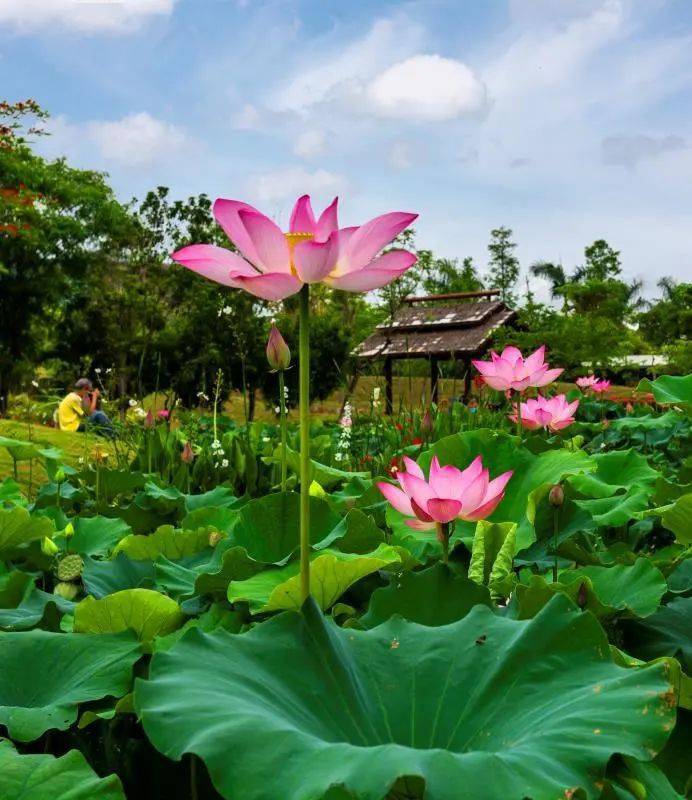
column 144, row 611
column 678, row 519
column 23, row 606
column 638, row 780
column 44, row 676
column 331, row 574
column 324, row 475
column 617, row 510
column 96, row 536
column 218, row 497
column 102, row 578
column 18, row 527
column 492, row 556
column 668, row 632
column 434, row 596
column 24, row 451
column 533, row 473
column 218, row 617
column 355, row 533
column 680, row 579
column 114, row 482
column 11, row 493
column 674, row 759
column 616, row 472
column 636, row 588
column 221, row 518
column 44, row 777
column 165, row 541
column 669, row 389
column 499, row 707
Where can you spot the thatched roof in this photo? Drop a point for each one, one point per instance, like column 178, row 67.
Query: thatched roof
column 458, row 329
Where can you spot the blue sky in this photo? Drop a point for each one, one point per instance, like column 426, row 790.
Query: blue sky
column 566, row 120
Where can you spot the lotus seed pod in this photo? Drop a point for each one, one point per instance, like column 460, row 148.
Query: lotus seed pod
column 556, row 496
column 67, row 590
column 48, row 546
column 214, row 538
column 70, row 568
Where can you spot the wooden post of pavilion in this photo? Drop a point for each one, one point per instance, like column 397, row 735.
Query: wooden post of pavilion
column 388, row 390
column 434, row 379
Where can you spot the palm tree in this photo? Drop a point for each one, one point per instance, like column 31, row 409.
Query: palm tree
column 553, row 273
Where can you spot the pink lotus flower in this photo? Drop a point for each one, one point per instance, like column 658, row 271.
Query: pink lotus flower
column 511, row 370
column 547, row 412
column 274, row 265
column 164, row 413
column 449, row 494
column 586, row 382
column 600, row 387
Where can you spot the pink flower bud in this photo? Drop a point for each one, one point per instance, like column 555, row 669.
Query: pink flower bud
column 278, row 353
column 187, row 456
column 426, row 424
column 149, row 420
column 556, row 496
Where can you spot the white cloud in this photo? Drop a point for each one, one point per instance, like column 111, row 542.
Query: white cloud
column 322, row 76
column 628, row 151
column 87, row 16
column 427, row 88
column 290, row 182
column 399, row 155
column 247, row 119
column 137, row 139
column 311, row 144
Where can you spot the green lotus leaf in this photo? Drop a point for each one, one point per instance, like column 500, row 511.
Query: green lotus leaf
column 680, row 579
column 636, row 588
column 492, row 556
column 666, row 633
column 674, row 759
column 44, row 777
column 331, row 574
column 23, row 606
column 44, row 676
column 114, row 482
column 221, row 518
column 678, row 519
column 616, row 510
column 324, row 475
column 18, row 527
column 532, row 478
column 433, row 596
column 144, row 611
column 11, row 493
column 493, row 705
column 669, row 389
column 124, row 705
column 165, row 541
column 616, row 472
column 218, row 497
column 102, row 578
column 355, row 533
column 633, row 780
column 96, row 536
column 218, row 617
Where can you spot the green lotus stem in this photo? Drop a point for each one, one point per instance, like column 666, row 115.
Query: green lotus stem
column 556, row 527
column 304, row 381
column 282, row 409
column 443, row 538
column 519, row 416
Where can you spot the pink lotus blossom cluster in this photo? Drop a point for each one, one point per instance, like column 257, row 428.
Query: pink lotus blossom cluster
column 511, row 371
column 554, row 413
column 592, row 383
column 448, row 494
column 273, row 265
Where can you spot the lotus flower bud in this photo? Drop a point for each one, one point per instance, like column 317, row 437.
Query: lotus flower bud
column 48, row 546
column 59, row 475
column 149, row 420
column 278, row 353
column 187, row 456
column 426, row 424
column 556, row 496
column 66, row 590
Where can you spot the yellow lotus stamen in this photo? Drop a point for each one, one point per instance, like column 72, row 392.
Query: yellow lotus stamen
column 293, row 239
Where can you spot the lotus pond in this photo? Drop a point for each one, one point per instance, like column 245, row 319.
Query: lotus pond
column 534, row 642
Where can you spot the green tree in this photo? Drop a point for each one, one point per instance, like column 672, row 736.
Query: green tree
column 444, row 275
column 669, row 318
column 503, row 271
column 57, row 224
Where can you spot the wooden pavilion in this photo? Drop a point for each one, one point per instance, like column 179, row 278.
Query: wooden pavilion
column 456, row 326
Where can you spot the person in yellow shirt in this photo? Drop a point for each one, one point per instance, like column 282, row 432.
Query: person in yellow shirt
column 80, row 407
